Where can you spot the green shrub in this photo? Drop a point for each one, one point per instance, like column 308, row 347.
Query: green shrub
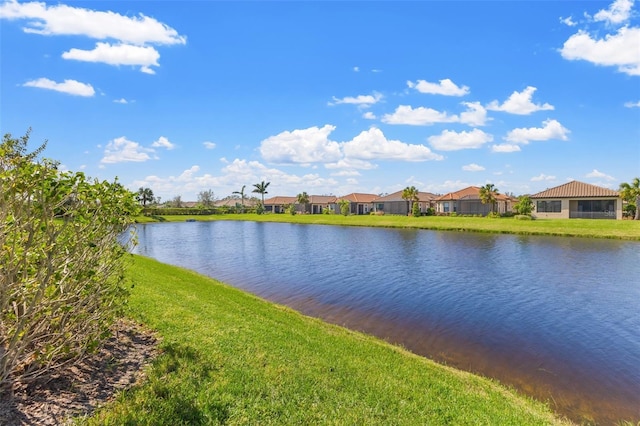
column 523, row 217
column 62, row 280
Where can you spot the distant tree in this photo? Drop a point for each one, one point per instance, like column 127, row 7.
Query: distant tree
column 145, row 195
column 261, row 188
column 206, row 198
column 303, row 199
column 177, row 201
column 410, row 194
column 630, row 192
column 416, row 209
column 488, row 195
column 345, row 207
column 241, row 193
column 524, row 205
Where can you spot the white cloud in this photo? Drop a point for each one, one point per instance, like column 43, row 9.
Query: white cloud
column 122, row 150
column 121, row 101
column 568, row 22
column 542, row 177
column 420, row 116
column 209, row 145
column 505, row 147
column 369, row 115
column 476, row 115
column 449, row 140
column 444, row 87
column 551, row 129
column 363, row 101
column 121, row 54
column 519, row 103
column 61, row 19
column 163, row 142
column 356, row 69
column 619, row 49
column 70, row 87
column 351, row 163
column 346, row 173
column 597, row 174
column 373, row 145
column 632, row 104
column 618, row 12
column 302, row 146
column 473, row 167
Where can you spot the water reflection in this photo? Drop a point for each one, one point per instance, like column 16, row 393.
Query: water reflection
column 555, row 317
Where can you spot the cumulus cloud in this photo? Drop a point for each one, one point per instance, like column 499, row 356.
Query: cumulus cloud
column 450, row 140
column 369, row 115
column 551, row 129
column 473, row 167
column 600, row 175
column 209, row 145
column 632, row 104
column 133, row 34
column 519, row 103
column 60, row 19
column 476, row 114
column 505, row 147
column 121, row 54
column 373, row 145
column 421, row 116
column 444, row 87
column 121, row 101
column 163, row 142
column 617, row 13
column 70, row 87
column 301, row 146
column 363, row 101
column 542, row 177
column 121, row 150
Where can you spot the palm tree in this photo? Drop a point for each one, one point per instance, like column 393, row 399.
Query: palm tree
column 630, row 192
column 145, row 195
column 303, row 199
column 410, row 193
column 488, row 195
column 261, row 188
column 241, row 192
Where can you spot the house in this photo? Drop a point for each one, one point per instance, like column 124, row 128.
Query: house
column 278, row 204
column 318, row 203
column 577, row 200
column 359, row 203
column 467, row 201
column 395, row 204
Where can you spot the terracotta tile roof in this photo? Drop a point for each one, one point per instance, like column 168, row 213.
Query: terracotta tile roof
column 575, row 189
column 278, row 200
column 357, row 197
column 321, row 199
column 470, row 193
column 397, row 196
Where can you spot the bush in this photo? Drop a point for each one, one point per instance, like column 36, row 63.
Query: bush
column 523, row 217
column 62, row 280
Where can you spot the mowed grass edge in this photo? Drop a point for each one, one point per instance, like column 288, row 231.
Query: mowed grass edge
column 229, row 357
column 590, row 228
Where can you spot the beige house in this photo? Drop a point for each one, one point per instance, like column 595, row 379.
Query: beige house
column 577, row 200
column 467, row 201
column 278, row 204
column 359, row 203
column 395, row 204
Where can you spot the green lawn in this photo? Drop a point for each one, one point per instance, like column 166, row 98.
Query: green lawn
column 232, row 358
column 593, row 228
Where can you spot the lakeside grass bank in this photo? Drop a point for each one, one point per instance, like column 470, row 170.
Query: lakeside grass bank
column 232, row 358
column 589, row 228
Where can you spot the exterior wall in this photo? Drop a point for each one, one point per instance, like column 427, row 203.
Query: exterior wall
column 569, row 209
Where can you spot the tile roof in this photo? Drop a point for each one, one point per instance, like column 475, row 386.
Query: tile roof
column 397, row 196
column 470, row 193
column 322, row 199
column 357, row 197
column 575, row 189
column 278, row 200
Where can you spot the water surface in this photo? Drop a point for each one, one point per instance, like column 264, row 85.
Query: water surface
column 557, row 318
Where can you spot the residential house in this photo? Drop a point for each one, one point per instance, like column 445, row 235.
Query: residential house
column 359, row 203
column 395, row 204
column 278, row 204
column 467, row 202
column 318, row 203
column 577, row 200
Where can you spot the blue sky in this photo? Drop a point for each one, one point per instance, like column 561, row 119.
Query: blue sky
column 327, row 97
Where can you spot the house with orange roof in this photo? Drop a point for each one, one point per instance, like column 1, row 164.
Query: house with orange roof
column 395, row 204
column 467, row 202
column 278, row 204
column 319, row 203
column 359, row 203
column 577, row 200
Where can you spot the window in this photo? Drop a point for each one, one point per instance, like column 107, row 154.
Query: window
column 445, row 207
column 549, row 206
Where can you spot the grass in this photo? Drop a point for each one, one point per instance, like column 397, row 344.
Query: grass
column 229, row 357
column 592, row 228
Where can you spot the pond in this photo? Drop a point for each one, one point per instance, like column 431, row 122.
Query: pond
column 557, row 318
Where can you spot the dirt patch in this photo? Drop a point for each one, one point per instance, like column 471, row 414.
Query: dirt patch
column 80, row 389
